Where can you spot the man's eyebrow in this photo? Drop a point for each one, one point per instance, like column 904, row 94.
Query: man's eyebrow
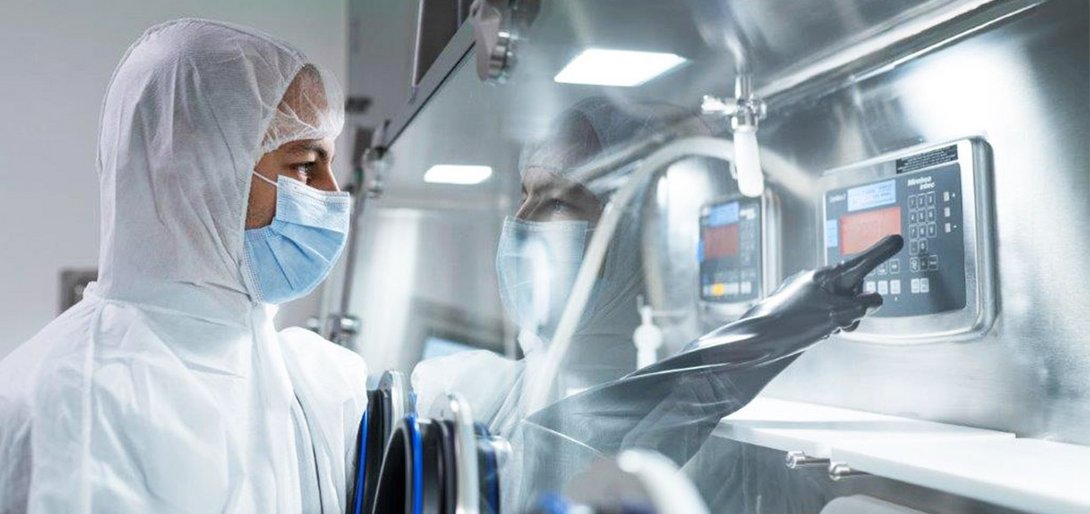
column 302, row 147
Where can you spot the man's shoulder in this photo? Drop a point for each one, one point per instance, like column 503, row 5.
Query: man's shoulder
column 46, row 368
column 62, row 341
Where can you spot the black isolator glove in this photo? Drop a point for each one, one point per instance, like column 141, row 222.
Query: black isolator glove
column 671, row 406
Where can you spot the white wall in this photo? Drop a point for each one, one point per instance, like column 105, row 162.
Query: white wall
column 56, row 58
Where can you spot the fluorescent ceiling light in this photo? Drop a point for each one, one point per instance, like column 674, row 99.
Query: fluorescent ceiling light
column 626, row 68
column 457, row 174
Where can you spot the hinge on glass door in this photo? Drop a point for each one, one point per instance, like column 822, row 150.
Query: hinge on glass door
column 497, row 28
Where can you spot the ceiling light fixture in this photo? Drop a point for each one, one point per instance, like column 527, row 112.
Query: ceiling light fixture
column 624, row 68
column 460, row 174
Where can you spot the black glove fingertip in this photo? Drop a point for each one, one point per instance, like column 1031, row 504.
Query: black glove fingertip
column 870, row 300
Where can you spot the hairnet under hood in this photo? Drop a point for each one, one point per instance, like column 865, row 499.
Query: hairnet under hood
column 183, row 123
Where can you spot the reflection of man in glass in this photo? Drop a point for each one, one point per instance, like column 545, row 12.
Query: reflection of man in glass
column 669, row 407
column 540, row 251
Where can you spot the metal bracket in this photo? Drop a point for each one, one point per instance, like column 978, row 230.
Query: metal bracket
column 497, row 28
column 745, row 110
column 799, row 460
column 343, row 328
column 839, row 471
column 376, row 160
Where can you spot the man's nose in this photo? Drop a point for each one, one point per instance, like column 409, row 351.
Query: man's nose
column 527, row 210
column 326, row 181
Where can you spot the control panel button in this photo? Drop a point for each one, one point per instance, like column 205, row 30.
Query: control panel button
column 931, row 214
column 912, row 232
column 930, row 198
column 946, row 212
column 914, row 285
column 912, row 217
column 883, row 287
column 932, row 230
column 913, row 264
column 894, row 266
column 881, row 270
column 912, row 202
column 747, row 287
column 869, row 286
column 947, row 228
column 895, row 286
column 933, row 262
column 925, row 285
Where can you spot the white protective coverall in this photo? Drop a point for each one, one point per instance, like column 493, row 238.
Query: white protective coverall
column 167, row 389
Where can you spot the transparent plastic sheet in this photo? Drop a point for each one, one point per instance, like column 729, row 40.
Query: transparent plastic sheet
column 737, row 477
column 636, row 481
column 572, row 266
column 814, row 134
column 599, row 346
column 671, row 407
column 556, row 194
column 578, row 396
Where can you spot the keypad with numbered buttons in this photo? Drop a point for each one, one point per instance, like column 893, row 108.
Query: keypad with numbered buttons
column 922, row 224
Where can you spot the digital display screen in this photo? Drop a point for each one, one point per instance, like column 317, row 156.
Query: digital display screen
column 721, row 241
column 858, row 231
column 872, row 195
column 729, row 251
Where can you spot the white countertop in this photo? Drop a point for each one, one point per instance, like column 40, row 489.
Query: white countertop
column 992, row 466
column 1025, row 474
column 817, row 429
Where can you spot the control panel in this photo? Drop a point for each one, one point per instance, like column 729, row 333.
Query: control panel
column 940, row 285
column 737, row 254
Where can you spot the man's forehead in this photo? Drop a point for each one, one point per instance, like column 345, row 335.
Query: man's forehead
column 303, row 146
column 541, row 180
column 536, row 177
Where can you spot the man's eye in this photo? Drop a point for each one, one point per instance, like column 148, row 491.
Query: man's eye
column 559, row 205
column 304, row 170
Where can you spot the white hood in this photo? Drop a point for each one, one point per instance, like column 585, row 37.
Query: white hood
column 182, row 127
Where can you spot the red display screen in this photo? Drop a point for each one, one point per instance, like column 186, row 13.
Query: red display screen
column 861, row 230
column 721, row 241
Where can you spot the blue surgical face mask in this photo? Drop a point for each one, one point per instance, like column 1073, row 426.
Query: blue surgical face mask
column 290, row 257
column 537, row 263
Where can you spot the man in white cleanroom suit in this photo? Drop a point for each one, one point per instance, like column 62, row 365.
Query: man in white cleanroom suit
column 167, row 389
